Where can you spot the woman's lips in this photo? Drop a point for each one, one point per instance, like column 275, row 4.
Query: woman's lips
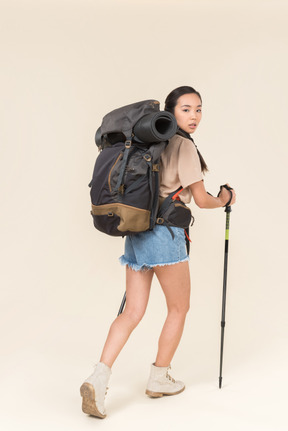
column 192, row 126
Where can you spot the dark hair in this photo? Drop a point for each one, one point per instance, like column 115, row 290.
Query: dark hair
column 172, row 98
column 171, row 102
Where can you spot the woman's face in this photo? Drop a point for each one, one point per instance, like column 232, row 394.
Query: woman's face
column 188, row 112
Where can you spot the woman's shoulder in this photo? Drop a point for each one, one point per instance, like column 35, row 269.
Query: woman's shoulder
column 183, row 144
column 178, row 139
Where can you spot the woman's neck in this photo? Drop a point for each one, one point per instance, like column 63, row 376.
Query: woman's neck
column 181, row 132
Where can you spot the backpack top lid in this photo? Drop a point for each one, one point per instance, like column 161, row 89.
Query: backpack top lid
column 122, row 120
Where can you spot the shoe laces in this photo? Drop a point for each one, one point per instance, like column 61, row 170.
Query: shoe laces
column 168, row 375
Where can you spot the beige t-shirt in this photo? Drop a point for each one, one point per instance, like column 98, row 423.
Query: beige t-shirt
column 180, row 166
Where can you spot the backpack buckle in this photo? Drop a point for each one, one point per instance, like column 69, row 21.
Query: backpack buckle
column 147, row 157
column 160, row 220
column 121, row 189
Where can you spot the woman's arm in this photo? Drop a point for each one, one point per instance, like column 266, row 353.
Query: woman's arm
column 204, row 200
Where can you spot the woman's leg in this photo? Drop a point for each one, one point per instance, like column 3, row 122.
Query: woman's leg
column 138, row 284
column 93, row 390
column 175, row 282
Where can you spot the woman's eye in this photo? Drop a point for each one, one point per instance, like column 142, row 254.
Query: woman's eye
column 199, row 110
column 185, row 110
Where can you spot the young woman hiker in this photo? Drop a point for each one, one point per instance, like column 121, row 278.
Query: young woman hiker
column 156, row 252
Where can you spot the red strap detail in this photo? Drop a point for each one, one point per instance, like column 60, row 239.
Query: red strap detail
column 187, row 235
column 176, row 195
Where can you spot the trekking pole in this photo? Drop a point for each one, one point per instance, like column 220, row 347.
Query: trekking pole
column 122, row 305
column 228, row 211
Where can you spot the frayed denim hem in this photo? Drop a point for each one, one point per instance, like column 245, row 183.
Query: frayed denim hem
column 186, row 259
column 123, row 261
column 145, row 267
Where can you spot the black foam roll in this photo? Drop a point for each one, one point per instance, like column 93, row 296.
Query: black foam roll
column 155, row 127
column 98, row 137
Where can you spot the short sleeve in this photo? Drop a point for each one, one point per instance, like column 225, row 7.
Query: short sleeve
column 189, row 167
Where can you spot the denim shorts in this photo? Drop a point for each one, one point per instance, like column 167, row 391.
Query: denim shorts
column 152, row 248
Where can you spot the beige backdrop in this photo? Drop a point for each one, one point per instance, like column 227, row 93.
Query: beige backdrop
column 64, row 64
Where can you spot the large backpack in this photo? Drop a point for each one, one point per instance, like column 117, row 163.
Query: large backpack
column 125, row 184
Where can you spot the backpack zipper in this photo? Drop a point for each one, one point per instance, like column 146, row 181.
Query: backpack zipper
column 109, row 176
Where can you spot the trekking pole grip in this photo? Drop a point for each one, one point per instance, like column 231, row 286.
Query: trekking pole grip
column 227, row 205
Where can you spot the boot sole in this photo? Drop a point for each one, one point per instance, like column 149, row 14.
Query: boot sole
column 88, row 403
column 152, row 394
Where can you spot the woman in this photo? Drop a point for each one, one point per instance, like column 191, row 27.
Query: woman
column 156, row 252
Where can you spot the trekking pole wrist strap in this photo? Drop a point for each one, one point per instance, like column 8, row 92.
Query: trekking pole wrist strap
column 231, row 194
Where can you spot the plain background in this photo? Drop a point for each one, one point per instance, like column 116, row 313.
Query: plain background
column 64, row 65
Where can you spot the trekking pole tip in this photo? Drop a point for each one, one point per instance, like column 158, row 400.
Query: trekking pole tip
column 220, row 382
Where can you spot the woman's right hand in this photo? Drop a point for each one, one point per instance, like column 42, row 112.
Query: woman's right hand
column 225, row 196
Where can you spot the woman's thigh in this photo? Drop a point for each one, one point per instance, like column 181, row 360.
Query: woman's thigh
column 138, row 284
column 175, row 283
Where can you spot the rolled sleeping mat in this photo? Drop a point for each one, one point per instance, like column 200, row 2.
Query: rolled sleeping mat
column 98, row 138
column 155, row 127
column 108, row 139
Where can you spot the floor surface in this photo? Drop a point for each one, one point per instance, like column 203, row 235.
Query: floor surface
column 40, row 391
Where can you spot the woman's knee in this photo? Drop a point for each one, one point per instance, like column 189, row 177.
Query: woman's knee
column 133, row 315
column 180, row 309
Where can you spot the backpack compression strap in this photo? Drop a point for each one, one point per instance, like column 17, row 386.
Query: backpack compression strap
column 128, row 144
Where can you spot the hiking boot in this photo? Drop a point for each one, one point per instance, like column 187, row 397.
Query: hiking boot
column 94, row 389
column 161, row 383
